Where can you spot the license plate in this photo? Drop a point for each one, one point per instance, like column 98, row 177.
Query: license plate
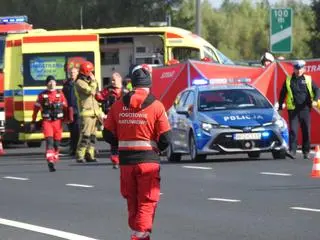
column 247, row 136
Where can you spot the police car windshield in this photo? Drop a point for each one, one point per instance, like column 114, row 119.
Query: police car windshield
column 225, row 99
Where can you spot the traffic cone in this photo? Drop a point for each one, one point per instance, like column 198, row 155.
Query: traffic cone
column 315, row 173
column 1, row 147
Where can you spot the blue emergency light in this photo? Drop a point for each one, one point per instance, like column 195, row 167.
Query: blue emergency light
column 199, row 82
column 13, row 19
column 265, row 134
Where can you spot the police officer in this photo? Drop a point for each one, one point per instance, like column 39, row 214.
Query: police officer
column 301, row 95
column 108, row 96
column 139, row 126
column 86, row 88
column 52, row 104
column 74, row 125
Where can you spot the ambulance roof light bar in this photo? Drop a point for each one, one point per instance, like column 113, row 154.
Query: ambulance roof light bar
column 13, row 19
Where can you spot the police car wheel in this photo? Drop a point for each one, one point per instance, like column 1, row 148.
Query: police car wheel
column 193, row 150
column 171, row 156
column 254, row 154
column 279, row 155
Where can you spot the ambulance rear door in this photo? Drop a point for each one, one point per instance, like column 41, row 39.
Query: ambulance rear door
column 45, row 55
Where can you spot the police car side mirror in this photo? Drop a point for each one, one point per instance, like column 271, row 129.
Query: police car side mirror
column 183, row 110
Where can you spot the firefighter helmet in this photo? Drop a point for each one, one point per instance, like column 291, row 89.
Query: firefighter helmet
column 86, row 68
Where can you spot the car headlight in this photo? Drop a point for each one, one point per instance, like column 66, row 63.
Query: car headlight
column 280, row 123
column 206, row 126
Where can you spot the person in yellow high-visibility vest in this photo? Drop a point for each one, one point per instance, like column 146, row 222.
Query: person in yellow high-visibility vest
column 301, row 94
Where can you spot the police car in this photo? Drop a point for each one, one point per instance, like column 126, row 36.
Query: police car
column 228, row 118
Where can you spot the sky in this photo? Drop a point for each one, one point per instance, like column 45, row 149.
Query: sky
column 217, row 3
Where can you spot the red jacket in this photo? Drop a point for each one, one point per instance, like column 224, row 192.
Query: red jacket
column 139, row 126
column 107, row 97
column 53, row 105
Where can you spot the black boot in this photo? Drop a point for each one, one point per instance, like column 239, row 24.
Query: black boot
column 51, row 167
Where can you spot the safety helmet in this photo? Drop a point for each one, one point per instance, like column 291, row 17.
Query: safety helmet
column 86, row 68
column 267, row 57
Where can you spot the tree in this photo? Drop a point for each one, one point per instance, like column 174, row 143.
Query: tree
column 314, row 42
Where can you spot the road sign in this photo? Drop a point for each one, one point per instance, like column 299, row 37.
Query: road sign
column 281, row 30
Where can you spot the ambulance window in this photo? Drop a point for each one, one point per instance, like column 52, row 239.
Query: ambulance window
column 36, row 67
column 224, row 59
column 185, row 53
column 2, row 45
column 209, row 53
column 110, row 57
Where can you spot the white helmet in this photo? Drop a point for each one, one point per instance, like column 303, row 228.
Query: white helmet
column 267, row 57
column 299, row 64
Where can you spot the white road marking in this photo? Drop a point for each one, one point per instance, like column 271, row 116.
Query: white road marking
column 16, row 178
column 197, row 167
column 79, row 185
column 306, row 209
column 224, row 200
column 276, row 174
column 44, row 230
column 161, row 193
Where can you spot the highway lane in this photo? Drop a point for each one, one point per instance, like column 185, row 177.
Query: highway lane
column 224, row 198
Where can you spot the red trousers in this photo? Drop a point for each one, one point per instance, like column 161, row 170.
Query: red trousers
column 140, row 186
column 52, row 131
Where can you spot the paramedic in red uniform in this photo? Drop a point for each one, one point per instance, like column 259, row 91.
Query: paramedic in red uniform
column 138, row 124
column 52, row 104
column 107, row 96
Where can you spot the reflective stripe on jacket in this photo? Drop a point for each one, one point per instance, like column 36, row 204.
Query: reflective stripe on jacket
column 290, row 99
column 137, row 124
column 138, row 145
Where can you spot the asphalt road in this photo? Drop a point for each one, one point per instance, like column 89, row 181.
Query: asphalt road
column 223, row 198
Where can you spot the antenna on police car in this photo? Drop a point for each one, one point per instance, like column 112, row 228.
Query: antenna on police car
column 81, row 19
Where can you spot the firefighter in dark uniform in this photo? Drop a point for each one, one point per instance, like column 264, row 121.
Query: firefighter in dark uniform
column 301, row 95
column 53, row 107
column 139, row 126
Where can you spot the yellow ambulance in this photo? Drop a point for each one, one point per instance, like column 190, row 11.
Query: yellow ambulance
column 31, row 57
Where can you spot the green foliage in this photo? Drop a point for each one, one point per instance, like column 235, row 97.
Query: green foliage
column 240, row 29
column 314, row 41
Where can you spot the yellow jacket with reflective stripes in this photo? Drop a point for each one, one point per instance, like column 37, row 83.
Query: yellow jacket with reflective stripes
column 85, row 91
column 290, row 100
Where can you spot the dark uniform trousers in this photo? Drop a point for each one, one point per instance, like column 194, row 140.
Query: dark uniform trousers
column 301, row 116
column 74, row 129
